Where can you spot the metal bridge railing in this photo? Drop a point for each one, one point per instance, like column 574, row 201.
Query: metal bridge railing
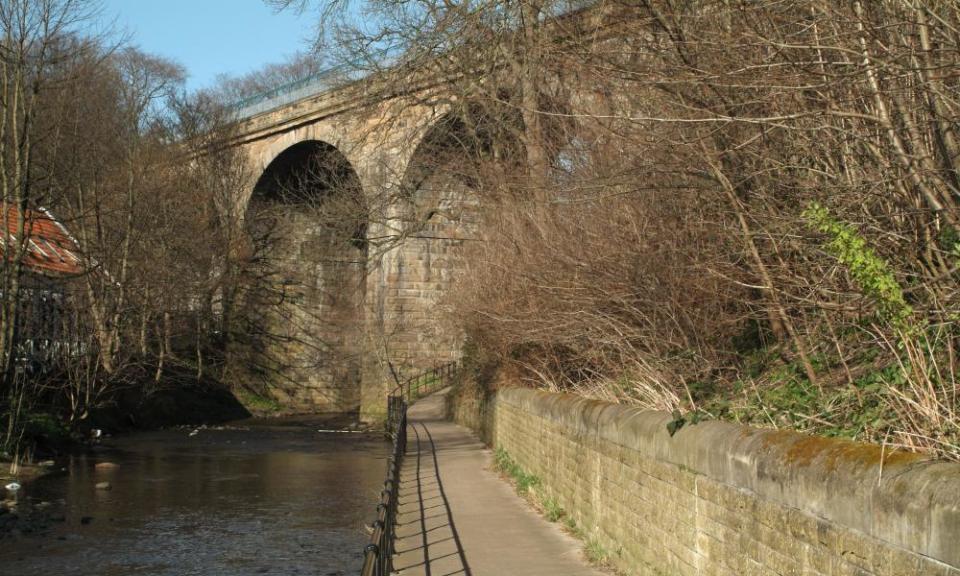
column 312, row 85
column 342, row 74
column 378, row 554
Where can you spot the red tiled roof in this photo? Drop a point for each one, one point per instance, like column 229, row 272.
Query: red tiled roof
column 50, row 249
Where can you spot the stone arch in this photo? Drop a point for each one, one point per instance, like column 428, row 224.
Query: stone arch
column 297, row 338
column 458, row 141
column 262, row 153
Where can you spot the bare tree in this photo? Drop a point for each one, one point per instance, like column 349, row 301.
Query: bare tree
column 35, row 47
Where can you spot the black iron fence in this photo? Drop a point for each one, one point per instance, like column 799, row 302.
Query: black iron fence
column 378, row 554
column 417, row 387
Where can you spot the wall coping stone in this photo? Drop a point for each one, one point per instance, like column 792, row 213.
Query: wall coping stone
column 909, row 501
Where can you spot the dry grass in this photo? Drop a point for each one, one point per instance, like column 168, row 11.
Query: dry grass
column 928, row 415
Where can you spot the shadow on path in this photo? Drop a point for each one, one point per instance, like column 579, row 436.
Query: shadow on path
column 427, row 539
column 447, row 475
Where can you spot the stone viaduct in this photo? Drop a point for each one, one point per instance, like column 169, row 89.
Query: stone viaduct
column 344, row 312
column 349, row 306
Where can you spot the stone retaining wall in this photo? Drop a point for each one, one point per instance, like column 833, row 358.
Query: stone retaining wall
column 723, row 499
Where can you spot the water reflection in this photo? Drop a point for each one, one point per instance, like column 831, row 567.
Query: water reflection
column 259, row 500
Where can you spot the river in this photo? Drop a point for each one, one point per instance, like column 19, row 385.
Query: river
column 272, row 497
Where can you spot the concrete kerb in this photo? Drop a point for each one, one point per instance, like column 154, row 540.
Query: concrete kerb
column 904, row 499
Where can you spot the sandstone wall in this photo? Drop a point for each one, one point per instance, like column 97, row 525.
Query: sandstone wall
column 408, row 317
column 723, row 499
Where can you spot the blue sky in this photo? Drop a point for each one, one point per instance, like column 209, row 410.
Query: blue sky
column 211, row 37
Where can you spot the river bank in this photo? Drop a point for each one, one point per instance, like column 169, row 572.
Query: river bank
column 21, row 516
column 46, row 432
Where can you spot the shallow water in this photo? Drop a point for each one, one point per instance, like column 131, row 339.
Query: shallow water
column 259, row 498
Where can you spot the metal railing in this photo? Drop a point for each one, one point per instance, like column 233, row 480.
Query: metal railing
column 378, row 554
column 412, row 389
column 285, row 94
column 323, row 81
column 340, row 75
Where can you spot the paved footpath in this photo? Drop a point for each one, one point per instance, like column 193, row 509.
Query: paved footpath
column 457, row 516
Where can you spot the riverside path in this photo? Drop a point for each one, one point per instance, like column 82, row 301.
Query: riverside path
column 458, row 517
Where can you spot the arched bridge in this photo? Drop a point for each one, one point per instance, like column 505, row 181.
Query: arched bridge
column 355, row 240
